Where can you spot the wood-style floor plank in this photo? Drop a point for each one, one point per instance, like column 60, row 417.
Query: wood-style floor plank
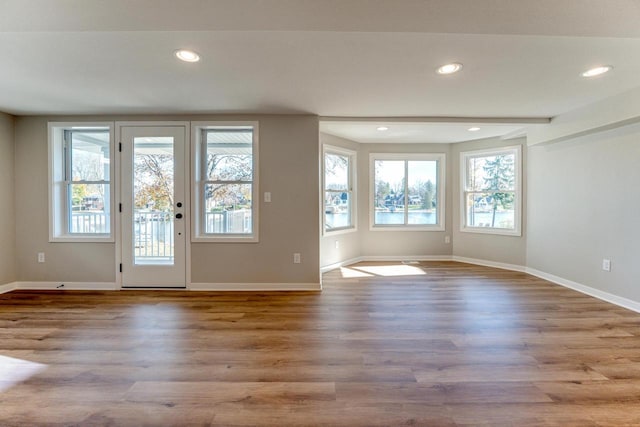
column 384, row 344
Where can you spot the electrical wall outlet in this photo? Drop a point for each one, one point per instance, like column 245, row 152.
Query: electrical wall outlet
column 267, row 197
column 447, row 239
column 606, row 264
column 40, row 257
column 296, row 258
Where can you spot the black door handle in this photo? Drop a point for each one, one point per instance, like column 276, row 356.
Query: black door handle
column 178, row 215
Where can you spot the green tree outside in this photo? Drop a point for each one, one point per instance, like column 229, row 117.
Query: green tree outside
column 499, row 174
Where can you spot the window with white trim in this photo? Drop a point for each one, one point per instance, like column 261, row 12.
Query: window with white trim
column 407, row 191
column 491, row 183
column 81, row 188
column 339, row 190
column 226, row 172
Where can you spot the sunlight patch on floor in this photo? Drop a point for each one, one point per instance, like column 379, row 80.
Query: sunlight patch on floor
column 14, row 371
column 391, row 270
column 350, row 273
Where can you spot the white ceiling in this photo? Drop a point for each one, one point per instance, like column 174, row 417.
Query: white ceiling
column 432, row 133
column 357, row 58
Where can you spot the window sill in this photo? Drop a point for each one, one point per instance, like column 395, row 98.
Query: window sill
column 337, row 231
column 494, row 231
column 406, row 228
column 229, row 239
column 81, row 239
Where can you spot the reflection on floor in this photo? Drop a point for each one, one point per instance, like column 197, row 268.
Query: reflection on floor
column 381, row 270
column 14, row 371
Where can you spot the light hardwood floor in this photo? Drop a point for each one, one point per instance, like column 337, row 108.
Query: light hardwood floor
column 436, row 344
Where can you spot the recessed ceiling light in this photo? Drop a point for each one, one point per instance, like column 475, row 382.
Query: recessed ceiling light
column 449, row 68
column 382, row 128
column 473, row 129
column 187, row 55
column 596, row 71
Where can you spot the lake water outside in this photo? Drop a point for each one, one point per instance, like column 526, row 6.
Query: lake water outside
column 504, row 219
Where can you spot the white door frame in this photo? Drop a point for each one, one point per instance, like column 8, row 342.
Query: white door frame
column 187, row 194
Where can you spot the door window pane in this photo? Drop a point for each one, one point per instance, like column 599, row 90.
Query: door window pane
column 153, row 189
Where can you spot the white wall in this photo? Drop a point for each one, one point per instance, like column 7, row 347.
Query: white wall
column 584, row 205
column 489, row 247
column 7, row 195
column 289, row 169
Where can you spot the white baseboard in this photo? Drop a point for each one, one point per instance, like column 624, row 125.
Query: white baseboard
column 8, row 287
column 109, row 286
column 256, row 287
column 596, row 293
column 407, row 258
column 485, row 263
column 62, row 286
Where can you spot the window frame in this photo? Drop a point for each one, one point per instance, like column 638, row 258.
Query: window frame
column 464, row 156
column 441, row 158
column 352, row 156
column 59, row 163
column 199, row 182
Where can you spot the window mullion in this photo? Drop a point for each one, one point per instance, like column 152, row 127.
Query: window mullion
column 406, row 192
column 68, row 202
column 203, row 179
column 103, row 182
column 67, row 156
column 218, row 182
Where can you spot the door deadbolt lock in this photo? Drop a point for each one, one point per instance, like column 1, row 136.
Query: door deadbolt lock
column 179, row 215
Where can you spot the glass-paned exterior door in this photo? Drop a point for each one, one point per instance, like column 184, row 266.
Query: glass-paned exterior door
column 153, row 206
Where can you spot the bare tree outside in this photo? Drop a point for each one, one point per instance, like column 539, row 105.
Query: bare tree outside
column 153, row 186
